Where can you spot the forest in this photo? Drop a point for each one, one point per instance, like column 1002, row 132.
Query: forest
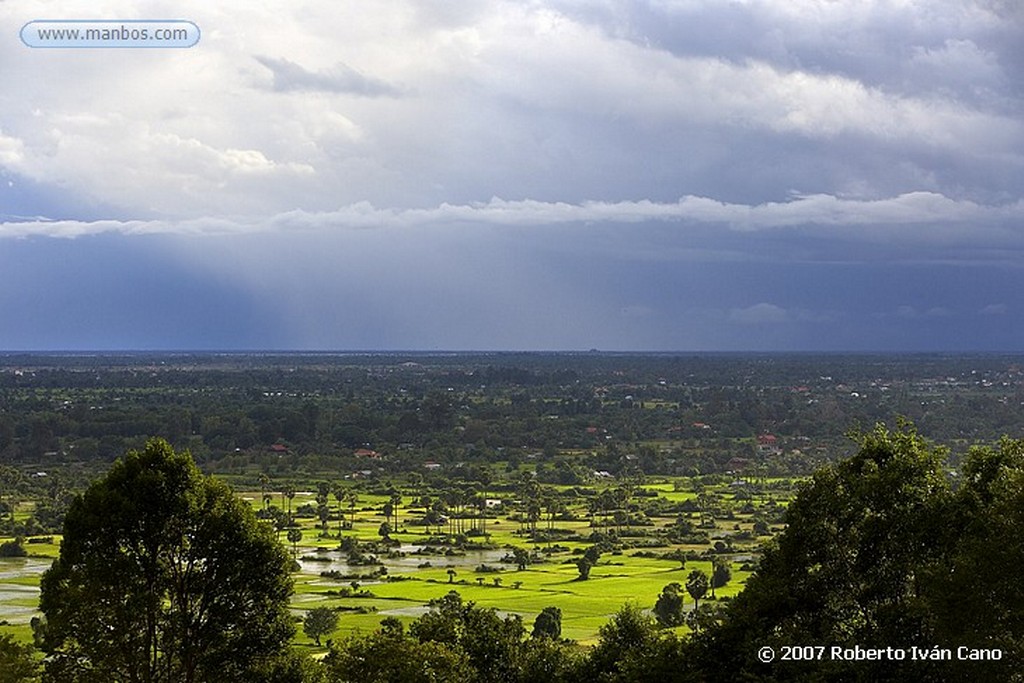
column 512, row 517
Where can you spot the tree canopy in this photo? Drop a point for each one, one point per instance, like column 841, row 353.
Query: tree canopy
column 882, row 550
column 318, row 622
column 17, row 664
column 164, row 575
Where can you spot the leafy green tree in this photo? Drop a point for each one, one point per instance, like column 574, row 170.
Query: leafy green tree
column 588, row 561
column 319, row 622
column 975, row 598
column 548, row 623
column 323, row 510
column 264, row 480
column 624, row 642
column 444, row 622
column 669, row 608
column 584, row 565
column 697, row 584
column 521, row 556
column 391, row 657
column 548, row 659
column 323, row 513
column 17, row 663
column 863, row 543
column 679, row 556
column 492, row 643
column 396, row 504
column 353, row 500
column 14, row 548
column 721, row 573
column 704, row 617
column 164, row 575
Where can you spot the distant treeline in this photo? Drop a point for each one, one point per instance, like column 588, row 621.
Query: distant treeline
column 697, row 412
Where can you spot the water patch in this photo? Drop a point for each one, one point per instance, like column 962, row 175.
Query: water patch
column 337, row 561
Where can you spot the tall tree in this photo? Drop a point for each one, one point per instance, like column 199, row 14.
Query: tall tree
column 319, row 622
column 697, row 584
column 721, row 573
column 294, row 536
column 323, row 512
column 340, row 496
column 864, row 541
column 388, row 655
column 669, row 608
column 164, row 575
column 548, row 623
column 626, row 640
column 353, row 500
column 264, row 488
column 288, row 492
column 396, row 504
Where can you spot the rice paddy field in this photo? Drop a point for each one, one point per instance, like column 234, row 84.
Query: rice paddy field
column 401, row 578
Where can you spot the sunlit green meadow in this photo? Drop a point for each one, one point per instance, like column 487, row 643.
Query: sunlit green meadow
column 413, row 581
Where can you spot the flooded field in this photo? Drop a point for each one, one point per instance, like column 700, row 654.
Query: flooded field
column 18, row 601
column 407, row 558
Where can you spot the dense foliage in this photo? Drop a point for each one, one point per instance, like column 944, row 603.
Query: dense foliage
column 228, row 410
column 17, row 661
column 881, row 550
column 164, row 575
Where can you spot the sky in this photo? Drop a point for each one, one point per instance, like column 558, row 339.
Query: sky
column 660, row 175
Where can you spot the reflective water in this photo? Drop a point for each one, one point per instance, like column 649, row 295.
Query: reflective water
column 338, row 561
column 18, row 603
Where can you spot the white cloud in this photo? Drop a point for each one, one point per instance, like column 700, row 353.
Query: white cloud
column 812, row 213
column 293, row 106
column 11, row 152
column 548, row 61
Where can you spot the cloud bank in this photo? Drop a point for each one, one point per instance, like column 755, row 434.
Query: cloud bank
column 627, row 174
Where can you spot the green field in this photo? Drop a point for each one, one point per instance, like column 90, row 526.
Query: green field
column 412, row 580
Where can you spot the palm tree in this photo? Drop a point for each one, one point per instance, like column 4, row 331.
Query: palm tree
column 340, row 495
column 533, row 514
column 288, row 491
column 396, row 503
column 294, row 536
column 353, row 500
column 264, row 485
column 697, row 585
